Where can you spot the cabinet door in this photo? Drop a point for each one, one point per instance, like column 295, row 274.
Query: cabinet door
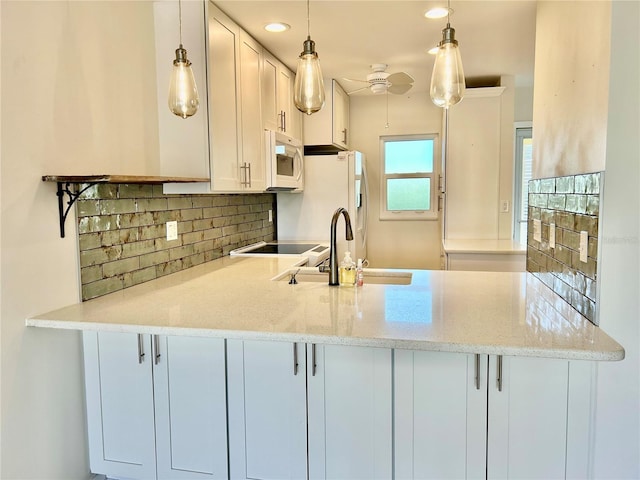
column 119, row 393
column 340, row 115
column 269, row 92
column 350, row 412
column 190, row 407
column 224, row 87
column 538, row 421
column 253, row 165
column 267, row 410
column 439, row 415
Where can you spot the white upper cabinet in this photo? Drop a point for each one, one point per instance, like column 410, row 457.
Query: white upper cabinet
column 224, row 91
column 252, row 167
column 183, row 143
column 330, row 126
column 278, row 110
column 242, row 89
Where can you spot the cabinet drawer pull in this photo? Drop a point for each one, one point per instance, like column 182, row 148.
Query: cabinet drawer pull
column 477, row 365
column 295, row 359
column 140, row 349
column 344, row 136
column 156, row 347
column 499, row 378
column 313, row 360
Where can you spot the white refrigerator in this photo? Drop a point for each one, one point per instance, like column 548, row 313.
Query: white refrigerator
column 330, row 182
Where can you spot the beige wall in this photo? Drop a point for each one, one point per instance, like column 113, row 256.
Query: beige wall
column 571, row 87
column 586, row 118
column 78, row 97
column 395, row 243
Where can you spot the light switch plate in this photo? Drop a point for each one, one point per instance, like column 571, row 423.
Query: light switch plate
column 172, row 230
column 504, row 206
column 537, row 230
column 552, row 235
column 271, row 215
column 584, row 246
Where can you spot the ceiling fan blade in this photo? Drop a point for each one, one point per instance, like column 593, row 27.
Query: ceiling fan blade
column 399, row 89
column 355, row 80
column 400, row 78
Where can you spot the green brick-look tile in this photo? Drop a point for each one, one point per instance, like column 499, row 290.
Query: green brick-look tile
column 122, row 232
column 572, row 203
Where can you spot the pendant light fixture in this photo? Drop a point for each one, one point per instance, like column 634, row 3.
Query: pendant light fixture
column 447, row 79
column 308, row 88
column 183, row 93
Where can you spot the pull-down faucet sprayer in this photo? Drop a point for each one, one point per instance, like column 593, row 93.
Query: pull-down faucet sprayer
column 333, row 255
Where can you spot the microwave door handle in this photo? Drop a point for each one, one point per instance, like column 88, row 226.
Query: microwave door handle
column 301, row 166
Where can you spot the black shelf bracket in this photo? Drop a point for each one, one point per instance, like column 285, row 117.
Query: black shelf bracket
column 64, row 188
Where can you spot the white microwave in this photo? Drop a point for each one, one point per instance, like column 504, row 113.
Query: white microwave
column 285, row 162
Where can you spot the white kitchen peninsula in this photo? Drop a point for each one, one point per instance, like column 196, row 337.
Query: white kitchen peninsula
column 449, row 364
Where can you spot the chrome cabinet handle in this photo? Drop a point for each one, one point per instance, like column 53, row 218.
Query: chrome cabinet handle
column 295, row 359
column 477, row 380
column 247, row 174
column 499, row 378
column 344, row 136
column 140, row 349
column 156, row 347
column 284, row 121
column 313, row 359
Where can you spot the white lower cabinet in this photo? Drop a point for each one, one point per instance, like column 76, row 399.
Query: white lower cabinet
column 440, row 415
column 156, row 406
column 478, row 416
column 301, row 411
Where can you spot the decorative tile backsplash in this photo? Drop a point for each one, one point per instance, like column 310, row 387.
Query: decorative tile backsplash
column 122, row 232
column 572, row 204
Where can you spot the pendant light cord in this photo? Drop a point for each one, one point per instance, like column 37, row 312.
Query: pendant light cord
column 180, row 20
column 308, row 21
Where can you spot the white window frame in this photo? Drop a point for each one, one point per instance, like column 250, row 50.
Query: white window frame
column 521, row 131
column 432, row 213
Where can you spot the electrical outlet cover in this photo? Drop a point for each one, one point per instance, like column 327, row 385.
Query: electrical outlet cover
column 584, row 246
column 537, row 230
column 552, row 235
column 172, row 230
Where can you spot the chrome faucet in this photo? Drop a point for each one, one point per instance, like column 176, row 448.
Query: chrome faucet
column 333, row 255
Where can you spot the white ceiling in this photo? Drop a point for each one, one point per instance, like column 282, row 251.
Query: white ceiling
column 496, row 37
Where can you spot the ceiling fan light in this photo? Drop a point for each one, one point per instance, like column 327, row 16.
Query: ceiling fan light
column 447, row 79
column 379, row 87
column 308, row 88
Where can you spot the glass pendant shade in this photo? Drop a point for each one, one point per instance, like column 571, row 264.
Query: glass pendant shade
column 308, row 88
column 447, row 79
column 183, row 93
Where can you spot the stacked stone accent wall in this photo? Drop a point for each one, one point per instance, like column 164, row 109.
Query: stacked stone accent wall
column 122, row 232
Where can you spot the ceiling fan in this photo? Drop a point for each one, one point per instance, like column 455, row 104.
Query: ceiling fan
column 381, row 81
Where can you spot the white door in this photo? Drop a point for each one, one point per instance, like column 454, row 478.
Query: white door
column 440, row 417
column 119, row 392
column 527, row 427
column 267, row 410
column 268, row 91
column 190, row 407
column 350, row 424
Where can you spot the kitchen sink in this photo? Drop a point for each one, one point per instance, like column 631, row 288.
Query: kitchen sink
column 371, row 275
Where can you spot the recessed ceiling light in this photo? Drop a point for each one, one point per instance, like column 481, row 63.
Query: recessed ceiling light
column 277, row 27
column 434, row 50
column 438, row 12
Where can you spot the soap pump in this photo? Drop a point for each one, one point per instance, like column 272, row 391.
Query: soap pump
column 347, row 271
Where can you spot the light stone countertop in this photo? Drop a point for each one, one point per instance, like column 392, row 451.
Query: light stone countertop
column 505, row 247
column 234, row 297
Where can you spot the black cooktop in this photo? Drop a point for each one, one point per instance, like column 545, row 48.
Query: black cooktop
column 285, row 248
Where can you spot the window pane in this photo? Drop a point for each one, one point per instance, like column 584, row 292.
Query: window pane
column 408, row 156
column 408, row 193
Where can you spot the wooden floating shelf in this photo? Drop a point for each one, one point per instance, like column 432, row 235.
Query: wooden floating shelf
column 139, row 179
column 65, row 181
